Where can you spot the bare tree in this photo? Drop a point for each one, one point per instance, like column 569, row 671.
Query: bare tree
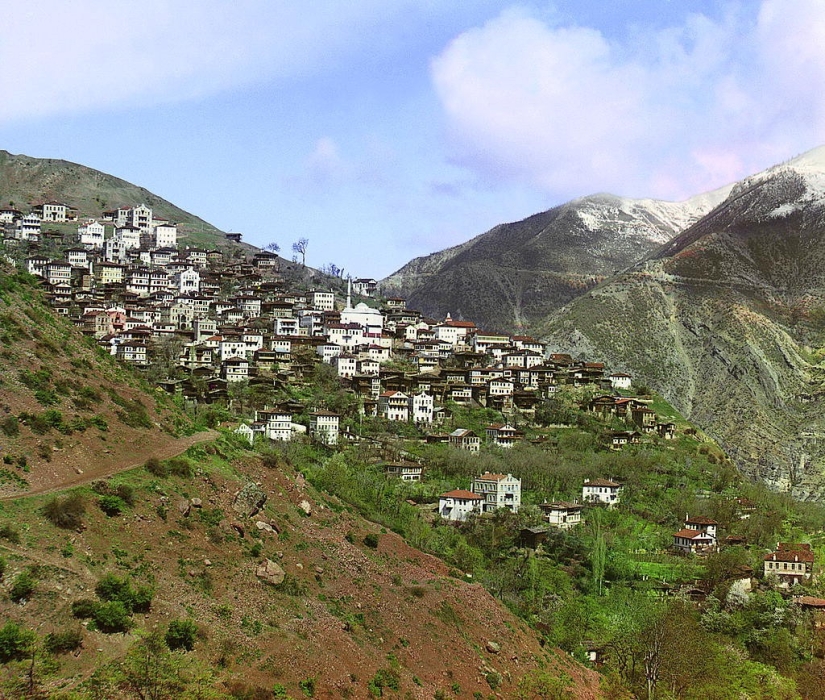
column 300, row 247
column 274, row 247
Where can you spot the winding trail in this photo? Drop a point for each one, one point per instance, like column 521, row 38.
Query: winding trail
column 109, row 465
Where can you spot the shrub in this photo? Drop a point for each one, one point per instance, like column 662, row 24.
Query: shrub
column 23, row 587
column 7, row 532
column 84, row 608
column 15, row 642
column 2, row 566
column 156, row 467
column 112, row 617
column 307, row 686
column 63, row 642
column 371, row 540
column 65, row 512
column 112, row 587
column 126, row 493
column 180, row 466
column 383, row 678
column 181, row 635
column 111, row 505
column 10, row 426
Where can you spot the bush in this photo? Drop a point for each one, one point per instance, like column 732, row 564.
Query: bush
column 2, row 566
column 67, row 512
column 63, row 642
column 180, row 466
column 156, row 467
column 112, row 617
column 15, row 642
column 371, row 541
column 111, row 505
column 181, row 635
column 23, row 587
column 84, row 608
column 383, row 678
column 113, row 588
column 7, row 532
column 10, row 426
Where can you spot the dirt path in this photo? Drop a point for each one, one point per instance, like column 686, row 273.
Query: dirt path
column 116, row 461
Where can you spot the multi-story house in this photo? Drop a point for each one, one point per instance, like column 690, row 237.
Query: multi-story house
column 91, row 234
column 499, row 491
column 394, row 405
column 323, row 427
column 562, row 514
column 464, row 439
column 789, row 563
column 459, row 504
column 601, row 491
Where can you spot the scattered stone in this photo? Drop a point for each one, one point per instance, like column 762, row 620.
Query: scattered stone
column 196, row 503
column 193, row 573
column 78, row 470
column 270, row 572
column 299, row 565
column 265, row 527
column 493, row 647
column 306, row 507
column 275, row 527
column 237, row 527
column 319, row 570
column 183, row 508
column 250, row 500
column 207, row 562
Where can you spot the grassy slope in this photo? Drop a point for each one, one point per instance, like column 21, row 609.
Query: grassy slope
column 67, row 407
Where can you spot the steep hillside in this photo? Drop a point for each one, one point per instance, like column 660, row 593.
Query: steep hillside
column 26, row 181
column 350, row 609
column 68, row 411
column 517, row 273
column 731, row 315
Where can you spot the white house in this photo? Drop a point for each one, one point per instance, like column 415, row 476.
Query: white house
column 601, row 491
column 91, row 234
column 561, row 514
column 457, row 505
column 421, row 408
column 620, row 380
column 166, row 236
column 499, row 491
column 278, row 424
column 323, row 427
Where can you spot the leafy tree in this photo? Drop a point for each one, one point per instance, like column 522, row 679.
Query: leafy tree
column 15, row 642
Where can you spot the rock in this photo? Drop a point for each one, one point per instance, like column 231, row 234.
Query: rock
column 78, row 470
column 237, row 527
column 250, row 500
column 275, row 527
column 193, row 573
column 299, row 565
column 207, row 562
column 270, row 572
column 196, row 503
column 183, row 508
column 493, row 647
column 265, row 527
column 305, row 506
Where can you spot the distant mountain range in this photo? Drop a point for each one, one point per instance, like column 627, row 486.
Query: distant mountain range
column 515, row 274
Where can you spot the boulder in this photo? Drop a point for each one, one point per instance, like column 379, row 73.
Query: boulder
column 306, row 507
column 196, row 503
column 270, row 572
column 250, row 500
column 183, row 508
column 493, row 647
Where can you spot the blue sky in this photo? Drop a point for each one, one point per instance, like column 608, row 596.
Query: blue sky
column 381, row 130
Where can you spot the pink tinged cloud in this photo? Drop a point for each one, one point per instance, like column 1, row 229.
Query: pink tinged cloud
column 567, row 111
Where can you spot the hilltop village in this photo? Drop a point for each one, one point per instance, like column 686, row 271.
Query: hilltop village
column 211, row 325
column 442, row 431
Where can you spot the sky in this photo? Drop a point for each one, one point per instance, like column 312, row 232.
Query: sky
column 381, row 130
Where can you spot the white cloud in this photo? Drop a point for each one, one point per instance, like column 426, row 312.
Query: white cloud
column 668, row 113
column 60, row 57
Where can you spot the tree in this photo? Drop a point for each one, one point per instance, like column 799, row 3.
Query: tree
column 181, row 635
column 300, row 248
column 152, row 672
column 273, row 247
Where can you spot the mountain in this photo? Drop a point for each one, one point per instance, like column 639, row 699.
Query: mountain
column 517, row 273
column 726, row 320
column 25, row 181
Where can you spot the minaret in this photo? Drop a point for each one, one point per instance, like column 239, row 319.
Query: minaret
column 349, row 294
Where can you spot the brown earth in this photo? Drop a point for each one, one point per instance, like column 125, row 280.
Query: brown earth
column 345, row 611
